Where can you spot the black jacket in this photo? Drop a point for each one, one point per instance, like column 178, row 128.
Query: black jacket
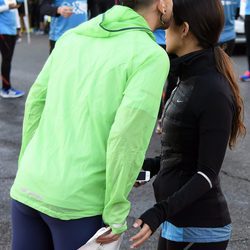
column 197, row 124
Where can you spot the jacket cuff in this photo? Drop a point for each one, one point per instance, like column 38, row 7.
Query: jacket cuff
column 152, row 165
column 4, row 8
column 152, row 218
column 118, row 228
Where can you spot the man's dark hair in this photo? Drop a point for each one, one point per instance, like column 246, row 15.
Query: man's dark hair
column 136, row 4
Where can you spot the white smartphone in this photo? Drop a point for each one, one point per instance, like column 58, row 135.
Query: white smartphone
column 143, row 176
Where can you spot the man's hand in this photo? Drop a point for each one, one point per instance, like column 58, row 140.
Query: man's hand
column 138, row 184
column 142, row 236
column 13, row 6
column 65, row 11
column 108, row 237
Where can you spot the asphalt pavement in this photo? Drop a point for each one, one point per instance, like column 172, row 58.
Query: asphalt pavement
column 235, row 176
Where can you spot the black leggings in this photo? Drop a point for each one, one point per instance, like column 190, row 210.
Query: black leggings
column 7, row 46
column 32, row 229
column 172, row 245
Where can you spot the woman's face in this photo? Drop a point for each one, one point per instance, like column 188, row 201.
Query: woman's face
column 173, row 38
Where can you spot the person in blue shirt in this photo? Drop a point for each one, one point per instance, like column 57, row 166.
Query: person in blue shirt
column 160, row 38
column 228, row 35
column 246, row 75
column 65, row 15
column 8, row 33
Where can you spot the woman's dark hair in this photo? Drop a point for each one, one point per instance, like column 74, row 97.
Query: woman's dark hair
column 136, row 4
column 206, row 21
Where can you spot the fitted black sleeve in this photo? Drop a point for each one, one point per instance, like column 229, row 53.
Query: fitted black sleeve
column 46, row 8
column 215, row 122
column 152, row 165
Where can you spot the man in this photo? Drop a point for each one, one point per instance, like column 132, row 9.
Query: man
column 88, row 122
column 228, row 35
column 8, row 35
column 246, row 76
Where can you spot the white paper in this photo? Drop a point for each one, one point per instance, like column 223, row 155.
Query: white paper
column 93, row 245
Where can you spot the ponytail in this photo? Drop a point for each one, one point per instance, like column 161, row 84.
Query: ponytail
column 225, row 67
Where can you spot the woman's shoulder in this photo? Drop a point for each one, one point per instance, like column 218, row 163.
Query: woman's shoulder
column 213, row 82
column 211, row 89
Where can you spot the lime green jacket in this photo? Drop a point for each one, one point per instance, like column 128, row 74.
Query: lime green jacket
column 89, row 117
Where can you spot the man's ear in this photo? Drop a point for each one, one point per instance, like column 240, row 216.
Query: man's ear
column 185, row 29
column 162, row 7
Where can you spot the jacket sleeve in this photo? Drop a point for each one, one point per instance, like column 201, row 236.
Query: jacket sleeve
column 46, row 8
column 34, row 106
column 129, row 137
column 3, row 8
column 152, row 165
column 215, row 124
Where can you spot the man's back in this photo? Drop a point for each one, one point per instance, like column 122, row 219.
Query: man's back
column 94, row 91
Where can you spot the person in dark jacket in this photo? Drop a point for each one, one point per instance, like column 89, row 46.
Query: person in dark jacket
column 202, row 117
column 97, row 7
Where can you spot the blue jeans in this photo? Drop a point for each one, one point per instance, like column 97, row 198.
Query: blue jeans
column 34, row 230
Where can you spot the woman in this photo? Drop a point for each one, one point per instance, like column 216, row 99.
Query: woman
column 8, row 35
column 84, row 140
column 202, row 117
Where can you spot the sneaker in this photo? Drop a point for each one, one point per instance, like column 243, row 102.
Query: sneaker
column 39, row 32
column 11, row 93
column 19, row 39
column 245, row 77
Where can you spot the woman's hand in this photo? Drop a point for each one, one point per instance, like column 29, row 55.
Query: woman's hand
column 108, row 237
column 142, row 235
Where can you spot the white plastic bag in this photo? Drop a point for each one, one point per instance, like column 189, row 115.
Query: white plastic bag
column 93, row 245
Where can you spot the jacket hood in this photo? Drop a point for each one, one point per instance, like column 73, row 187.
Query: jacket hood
column 116, row 20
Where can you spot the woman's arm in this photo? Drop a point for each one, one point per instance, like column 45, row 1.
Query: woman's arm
column 215, row 122
column 153, row 165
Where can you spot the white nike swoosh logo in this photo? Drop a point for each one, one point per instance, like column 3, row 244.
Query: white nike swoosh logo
column 179, row 101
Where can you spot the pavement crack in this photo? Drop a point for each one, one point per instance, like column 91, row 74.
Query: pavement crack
column 234, row 177
column 7, row 178
column 240, row 239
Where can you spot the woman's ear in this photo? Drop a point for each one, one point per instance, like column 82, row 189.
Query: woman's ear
column 184, row 29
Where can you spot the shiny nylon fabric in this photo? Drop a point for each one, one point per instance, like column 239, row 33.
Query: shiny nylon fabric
column 89, row 118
